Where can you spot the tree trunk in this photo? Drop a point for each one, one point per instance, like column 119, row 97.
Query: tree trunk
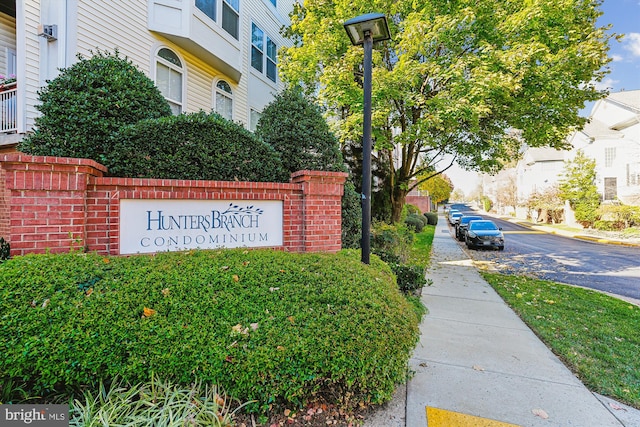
column 398, row 197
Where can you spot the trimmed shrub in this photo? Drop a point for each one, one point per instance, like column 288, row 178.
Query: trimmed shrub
column 392, row 243
column 351, row 217
column 432, row 218
column 410, row 277
column 415, row 222
column 5, row 249
column 88, row 103
column 194, row 146
column 293, row 125
column 263, row 325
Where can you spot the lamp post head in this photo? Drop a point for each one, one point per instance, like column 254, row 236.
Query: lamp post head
column 375, row 23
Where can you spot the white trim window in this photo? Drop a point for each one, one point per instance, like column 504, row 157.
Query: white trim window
column 264, row 52
column 169, row 78
column 230, row 12
column 223, row 99
column 254, row 117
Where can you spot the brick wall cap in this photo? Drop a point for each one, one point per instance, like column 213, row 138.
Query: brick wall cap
column 25, row 158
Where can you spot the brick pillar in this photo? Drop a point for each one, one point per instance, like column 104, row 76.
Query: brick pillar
column 321, row 209
column 45, row 199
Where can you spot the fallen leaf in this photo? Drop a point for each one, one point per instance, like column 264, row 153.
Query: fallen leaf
column 254, row 326
column 287, row 412
column 165, row 292
column 616, row 406
column 148, row 312
column 106, row 260
column 290, row 318
column 228, row 359
column 89, row 291
column 45, row 303
column 281, row 348
column 236, row 278
column 478, row 368
column 273, row 289
column 540, row 413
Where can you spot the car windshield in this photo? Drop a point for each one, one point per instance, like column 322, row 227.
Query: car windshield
column 469, row 219
column 482, row 225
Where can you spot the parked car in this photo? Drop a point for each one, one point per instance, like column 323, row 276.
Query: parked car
column 484, row 233
column 463, row 224
column 453, row 216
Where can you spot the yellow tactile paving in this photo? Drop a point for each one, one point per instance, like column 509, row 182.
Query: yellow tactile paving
column 441, row 418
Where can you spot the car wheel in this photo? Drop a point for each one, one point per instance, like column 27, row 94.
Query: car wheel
column 468, row 243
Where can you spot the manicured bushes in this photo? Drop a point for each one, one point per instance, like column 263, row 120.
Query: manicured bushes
column 432, row 218
column 415, row 222
column 87, row 103
column 194, row 146
column 264, row 325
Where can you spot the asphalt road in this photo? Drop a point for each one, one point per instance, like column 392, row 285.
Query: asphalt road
column 610, row 268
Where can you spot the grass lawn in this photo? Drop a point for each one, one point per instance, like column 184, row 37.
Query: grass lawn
column 597, row 336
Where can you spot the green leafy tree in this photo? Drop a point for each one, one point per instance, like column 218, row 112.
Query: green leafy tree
column 439, row 188
column 88, row 103
column 578, row 186
column 457, row 78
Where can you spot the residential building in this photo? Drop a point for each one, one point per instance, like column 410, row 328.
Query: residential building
column 611, row 137
column 202, row 54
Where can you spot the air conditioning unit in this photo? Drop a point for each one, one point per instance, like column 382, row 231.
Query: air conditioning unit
column 49, row 32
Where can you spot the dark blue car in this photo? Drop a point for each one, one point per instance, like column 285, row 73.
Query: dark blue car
column 484, row 234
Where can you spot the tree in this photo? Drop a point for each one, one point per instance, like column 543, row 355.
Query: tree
column 578, row 186
column 548, row 204
column 507, row 193
column 88, row 103
column 439, row 188
column 457, row 78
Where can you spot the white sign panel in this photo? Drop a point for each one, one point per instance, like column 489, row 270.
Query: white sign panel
column 148, row 226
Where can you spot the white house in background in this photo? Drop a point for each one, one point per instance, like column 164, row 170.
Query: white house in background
column 611, row 137
column 202, row 54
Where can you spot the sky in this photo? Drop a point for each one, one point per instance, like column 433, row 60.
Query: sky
column 624, row 18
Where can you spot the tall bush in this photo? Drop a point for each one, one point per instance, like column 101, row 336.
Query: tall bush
column 294, row 126
column 87, row 103
column 194, row 146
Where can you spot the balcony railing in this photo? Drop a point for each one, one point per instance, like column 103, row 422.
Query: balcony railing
column 8, row 108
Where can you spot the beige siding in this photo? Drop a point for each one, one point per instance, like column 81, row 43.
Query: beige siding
column 118, row 24
column 7, row 39
column 123, row 25
column 32, row 60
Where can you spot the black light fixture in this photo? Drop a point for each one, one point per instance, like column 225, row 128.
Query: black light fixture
column 365, row 30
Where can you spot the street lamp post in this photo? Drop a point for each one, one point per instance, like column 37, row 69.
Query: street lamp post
column 365, row 30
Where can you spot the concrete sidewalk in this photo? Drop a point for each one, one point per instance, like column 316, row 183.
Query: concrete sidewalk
column 477, row 357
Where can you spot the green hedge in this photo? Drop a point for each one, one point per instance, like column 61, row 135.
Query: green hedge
column 432, row 218
column 265, row 325
column 194, row 146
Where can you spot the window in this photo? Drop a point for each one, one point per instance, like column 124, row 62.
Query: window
column 610, row 188
column 261, row 59
column 230, row 16
column 253, row 120
column 230, row 13
column 169, row 78
column 224, row 100
column 609, row 156
column 208, row 7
